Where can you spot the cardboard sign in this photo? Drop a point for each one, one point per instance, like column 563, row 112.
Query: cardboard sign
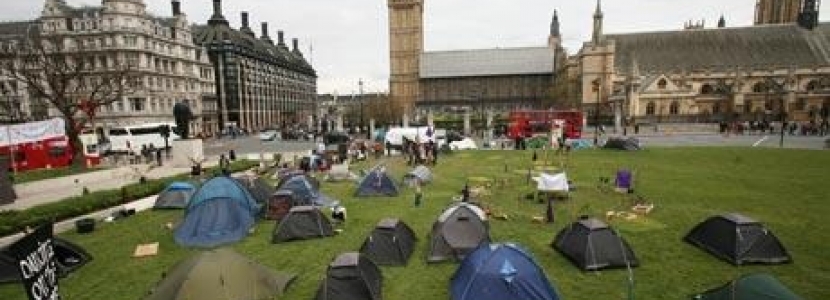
column 35, row 257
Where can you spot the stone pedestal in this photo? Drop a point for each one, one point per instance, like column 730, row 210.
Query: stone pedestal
column 339, row 125
column 431, row 119
column 185, row 152
column 467, row 129
column 371, row 128
column 7, row 194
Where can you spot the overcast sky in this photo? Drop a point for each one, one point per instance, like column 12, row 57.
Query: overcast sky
column 350, row 37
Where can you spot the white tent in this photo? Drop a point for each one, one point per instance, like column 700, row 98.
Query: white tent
column 552, row 183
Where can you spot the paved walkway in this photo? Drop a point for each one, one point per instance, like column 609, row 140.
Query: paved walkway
column 50, row 190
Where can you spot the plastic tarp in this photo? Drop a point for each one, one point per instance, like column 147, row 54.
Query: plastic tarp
column 498, row 272
column 465, row 144
column 305, row 190
column 552, row 183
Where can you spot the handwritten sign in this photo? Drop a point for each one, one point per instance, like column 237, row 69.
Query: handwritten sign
column 35, row 257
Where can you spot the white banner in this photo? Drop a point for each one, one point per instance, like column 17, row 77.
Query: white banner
column 31, row 132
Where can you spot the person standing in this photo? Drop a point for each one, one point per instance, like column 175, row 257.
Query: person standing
column 224, row 165
column 419, row 195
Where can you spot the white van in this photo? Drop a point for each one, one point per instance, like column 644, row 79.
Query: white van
column 129, row 139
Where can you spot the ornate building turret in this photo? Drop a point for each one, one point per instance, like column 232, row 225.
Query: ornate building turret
column 597, row 37
column 554, row 39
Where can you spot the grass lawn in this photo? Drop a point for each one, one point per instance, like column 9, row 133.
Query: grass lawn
column 786, row 189
column 35, row 175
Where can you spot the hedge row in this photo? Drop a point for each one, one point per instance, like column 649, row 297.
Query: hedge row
column 16, row 220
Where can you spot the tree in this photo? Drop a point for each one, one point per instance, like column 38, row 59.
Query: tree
column 73, row 82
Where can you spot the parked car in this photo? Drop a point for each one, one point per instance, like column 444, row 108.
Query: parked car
column 269, row 135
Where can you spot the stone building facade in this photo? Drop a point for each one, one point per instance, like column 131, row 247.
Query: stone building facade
column 777, row 11
column 165, row 66
column 260, row 83
column 704, row 75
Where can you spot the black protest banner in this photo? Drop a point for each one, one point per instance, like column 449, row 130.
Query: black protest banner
column 35, row 257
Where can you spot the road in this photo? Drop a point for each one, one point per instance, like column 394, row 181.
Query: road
column 252, row 145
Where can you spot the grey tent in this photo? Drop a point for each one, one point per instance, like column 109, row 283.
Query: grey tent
column 176, row 195
column 750, row 287
column 351, row 276
column 377, row 183
column 390, row 243
column 421, row 174
column 457, row 232
column 258, row 188
column 302, row 223
column 628, row 144
column 592, row 245
column 68, row 256
column 218, row 275
column 739, row 240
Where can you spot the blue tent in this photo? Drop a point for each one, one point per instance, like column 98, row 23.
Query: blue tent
column 176, row 195
column 500, row 271
column 220, row 212
column 376, row 183
column 305, row 189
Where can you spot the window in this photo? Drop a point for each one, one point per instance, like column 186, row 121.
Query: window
column 137, row 104
column 57, row 151
column 759, row 87
column 662, row 84
column 707, row 89
column 674, row 108
column 149, row 130
column 650, row 109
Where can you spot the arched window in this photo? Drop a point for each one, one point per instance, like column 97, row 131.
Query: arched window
column 661, row 84
column 707, row 89
column 674, row 108
column 650, row 109
column 716, row 108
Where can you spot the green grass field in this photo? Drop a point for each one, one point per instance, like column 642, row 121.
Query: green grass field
column 786, row 189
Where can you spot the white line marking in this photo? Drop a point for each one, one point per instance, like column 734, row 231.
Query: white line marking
column 760, row 141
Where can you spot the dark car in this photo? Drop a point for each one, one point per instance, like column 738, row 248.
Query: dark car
column 334, row 138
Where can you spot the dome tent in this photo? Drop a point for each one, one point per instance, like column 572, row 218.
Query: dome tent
column 739, row 240
column 457, row 231
column 176, row 195
column 218, row 275
column 498, row 272
column 390, row 243
column 220, row 212
column 592, row 245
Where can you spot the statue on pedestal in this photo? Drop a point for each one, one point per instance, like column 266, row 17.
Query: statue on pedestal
column 183, row 116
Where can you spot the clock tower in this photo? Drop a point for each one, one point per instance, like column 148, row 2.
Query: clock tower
column 406, row 43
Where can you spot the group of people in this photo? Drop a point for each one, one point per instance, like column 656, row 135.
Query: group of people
column 811, row 128
column 420, row 153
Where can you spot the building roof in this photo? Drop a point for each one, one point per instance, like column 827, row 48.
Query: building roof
column 755, row 47
column 487, row 62
column 206, row 34
column 16, row 28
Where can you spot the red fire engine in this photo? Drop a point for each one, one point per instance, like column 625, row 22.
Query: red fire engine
column 38, row 145
column 526, row 123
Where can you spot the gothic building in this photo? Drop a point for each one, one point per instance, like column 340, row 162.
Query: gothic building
column 705, row 74
column 166, row 66
column 498, row 79
column 259, row 83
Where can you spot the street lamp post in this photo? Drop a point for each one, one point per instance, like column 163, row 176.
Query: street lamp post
column 597, row 87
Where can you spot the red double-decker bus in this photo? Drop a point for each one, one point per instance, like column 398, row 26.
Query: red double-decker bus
column 39, row 145
column 527, row 123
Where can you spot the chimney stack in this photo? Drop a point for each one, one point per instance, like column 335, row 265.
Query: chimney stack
column 217, row 17
column 177, row 7
column 265, row 36
column 295, row 44
column 244, row 19
column 281, row 38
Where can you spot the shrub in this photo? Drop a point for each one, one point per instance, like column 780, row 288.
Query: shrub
column 15, row 221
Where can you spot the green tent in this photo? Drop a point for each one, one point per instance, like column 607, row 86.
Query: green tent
column 750, row 287
column 220, row 274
